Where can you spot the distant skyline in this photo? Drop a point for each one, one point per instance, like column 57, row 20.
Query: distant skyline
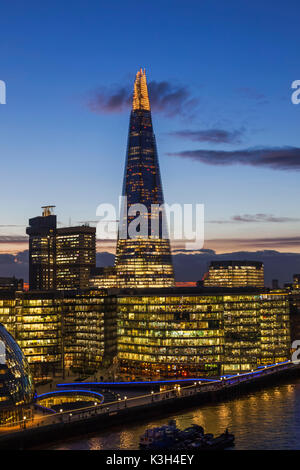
column 220, row 76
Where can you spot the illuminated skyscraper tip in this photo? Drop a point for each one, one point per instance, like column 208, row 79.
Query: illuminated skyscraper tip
column 140, row 94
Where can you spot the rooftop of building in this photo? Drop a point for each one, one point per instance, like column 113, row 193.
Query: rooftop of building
column 75, row 229
column 237, row 263
column 150, row 291
column 181, row 291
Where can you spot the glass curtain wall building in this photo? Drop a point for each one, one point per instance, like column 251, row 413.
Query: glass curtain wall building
column 62, row 330
column 38, row 331
column 204, row 332
column 88, row 330
column 235, row 274
column 142, row 259
column 16, row 384
column 75, row 257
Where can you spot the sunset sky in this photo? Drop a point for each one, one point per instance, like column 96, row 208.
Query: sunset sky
column 219, row 76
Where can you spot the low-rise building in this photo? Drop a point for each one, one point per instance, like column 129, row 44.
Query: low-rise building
column 182, row 332
column 235, row 274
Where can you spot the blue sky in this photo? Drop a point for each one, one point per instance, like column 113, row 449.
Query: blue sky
column 234, row 63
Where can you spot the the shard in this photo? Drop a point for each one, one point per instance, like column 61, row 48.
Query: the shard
column 143, row 258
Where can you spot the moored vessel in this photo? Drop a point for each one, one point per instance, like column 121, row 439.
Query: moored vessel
column 170, row 437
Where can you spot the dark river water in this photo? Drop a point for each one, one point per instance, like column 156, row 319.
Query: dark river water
column 265, row 419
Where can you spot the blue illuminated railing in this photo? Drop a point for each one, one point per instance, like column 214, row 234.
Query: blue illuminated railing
column 75, row 392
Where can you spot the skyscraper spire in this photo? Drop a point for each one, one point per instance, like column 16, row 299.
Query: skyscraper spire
column 144, row 261
column 140, row 93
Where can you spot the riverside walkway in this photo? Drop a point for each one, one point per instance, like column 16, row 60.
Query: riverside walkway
column 132, row 405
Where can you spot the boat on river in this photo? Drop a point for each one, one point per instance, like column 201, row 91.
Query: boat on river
column 193, row 437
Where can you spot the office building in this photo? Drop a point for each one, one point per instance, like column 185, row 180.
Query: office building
column 88, row 330
column 38, row 331
column 11, row 284
column 59, row 258
column 75, row 256
column 58, row 330
column 235, row 274
column 182, row 332
column 42, row 231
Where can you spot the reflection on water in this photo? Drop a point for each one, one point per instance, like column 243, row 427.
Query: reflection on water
column 268, row 419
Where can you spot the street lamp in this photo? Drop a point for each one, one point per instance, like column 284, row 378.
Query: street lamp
column 125, row 403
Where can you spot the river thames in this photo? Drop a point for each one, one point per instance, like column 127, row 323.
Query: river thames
column 265, row 419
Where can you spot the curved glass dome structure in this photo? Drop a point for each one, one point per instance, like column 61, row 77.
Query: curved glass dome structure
column 16, row 384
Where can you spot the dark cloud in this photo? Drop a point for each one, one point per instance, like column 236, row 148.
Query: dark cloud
column 13, row 239
column 277, row 158
column 171, row 99
column 165, row 97
column 275, row 242
column 105, row 101
column 271, row 242
column 255, row 218
column 215, row 136
column 203, row 250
